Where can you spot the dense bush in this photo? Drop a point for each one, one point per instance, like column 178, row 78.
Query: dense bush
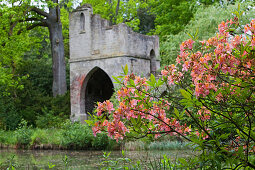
column 39, row 136
column 101, row 142
column 80, row 136
column 23, row 134
column 34, row 103
column 49, row 120
column 76, row 136
column 9, row 114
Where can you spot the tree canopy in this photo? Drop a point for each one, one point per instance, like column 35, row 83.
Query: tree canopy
column 31, row 14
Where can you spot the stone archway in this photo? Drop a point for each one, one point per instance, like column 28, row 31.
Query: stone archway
column 98, row 87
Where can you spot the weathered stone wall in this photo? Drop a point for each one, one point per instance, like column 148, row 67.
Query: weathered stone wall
column 95, row 45
column 99, row 40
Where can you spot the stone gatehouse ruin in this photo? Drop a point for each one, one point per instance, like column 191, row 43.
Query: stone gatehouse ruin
column 98, row 51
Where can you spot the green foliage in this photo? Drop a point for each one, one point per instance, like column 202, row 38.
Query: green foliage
column 12, row 47
column 49, row 120
column 172, row 15
column 9, row 116
column 7, row 137
column 211, row 87
column 101, row 142
column 65, row 27
column 23, row 134
column 79, row 136
column 120, row 163
column 35, row 100
column 76, row 136
column 70, row 136
column 169, row 145
column 122, row 12
column 38, row 137
column 204, row 23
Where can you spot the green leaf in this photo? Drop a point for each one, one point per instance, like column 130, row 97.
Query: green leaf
column 176, row 112
column 206, row 66
column 183, row 161
column 89, row 122
column 185, row 94
column 132, row 83
column 216, row 66
column 125, row 69
column 116, row 79
column 160, row 83
column 153, row 80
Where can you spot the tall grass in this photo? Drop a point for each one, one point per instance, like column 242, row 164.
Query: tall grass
column 137, row 145
column 169, row 145
column 156, row 145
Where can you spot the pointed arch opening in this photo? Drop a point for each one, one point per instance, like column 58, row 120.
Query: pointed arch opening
column 82, row 23
column 97, row 87
column 153, row 62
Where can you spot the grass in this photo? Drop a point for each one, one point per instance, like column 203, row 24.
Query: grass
column 46, row 136
column 69, row 136
column 137, row 145
column 156, row 145
column 7, row 137
column 79, row 136
column 169, row 145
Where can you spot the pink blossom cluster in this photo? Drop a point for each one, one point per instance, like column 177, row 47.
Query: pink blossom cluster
column 221, row 57
column 204, row 114
column 131, row 106
column 217, row 58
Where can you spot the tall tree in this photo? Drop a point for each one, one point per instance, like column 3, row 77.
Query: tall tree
column 44, row 13
column 172, row 15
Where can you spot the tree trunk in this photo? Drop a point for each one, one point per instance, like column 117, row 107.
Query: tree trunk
column 57, row 49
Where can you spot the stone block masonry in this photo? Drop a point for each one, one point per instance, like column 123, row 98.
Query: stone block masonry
column 98, row 51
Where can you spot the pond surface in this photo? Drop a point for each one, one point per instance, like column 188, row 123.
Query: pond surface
column 44, row 159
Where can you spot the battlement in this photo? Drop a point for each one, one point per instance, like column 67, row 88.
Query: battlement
column 92, row 37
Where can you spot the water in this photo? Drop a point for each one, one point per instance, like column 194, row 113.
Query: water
column 44, row 159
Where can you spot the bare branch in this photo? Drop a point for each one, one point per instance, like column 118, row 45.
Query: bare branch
column 30, row 19
column 30, row 27
column 128, row 20
column 39, row 11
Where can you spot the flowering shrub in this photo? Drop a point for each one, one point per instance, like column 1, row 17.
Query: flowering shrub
column 208, row 100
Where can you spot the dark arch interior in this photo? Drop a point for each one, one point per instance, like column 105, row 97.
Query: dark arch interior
column 82, row 22
column 99, row 88
column 153, row 66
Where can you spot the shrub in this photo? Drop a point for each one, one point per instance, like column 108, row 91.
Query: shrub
column 27, row 103
column 23, row 134
column 215, row 90
column 39, row 136
column 76, row 136
column 9, row 115
column 49, row 120
column 100, row 142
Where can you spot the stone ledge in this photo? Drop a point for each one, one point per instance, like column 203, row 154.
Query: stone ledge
column 105, row 57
